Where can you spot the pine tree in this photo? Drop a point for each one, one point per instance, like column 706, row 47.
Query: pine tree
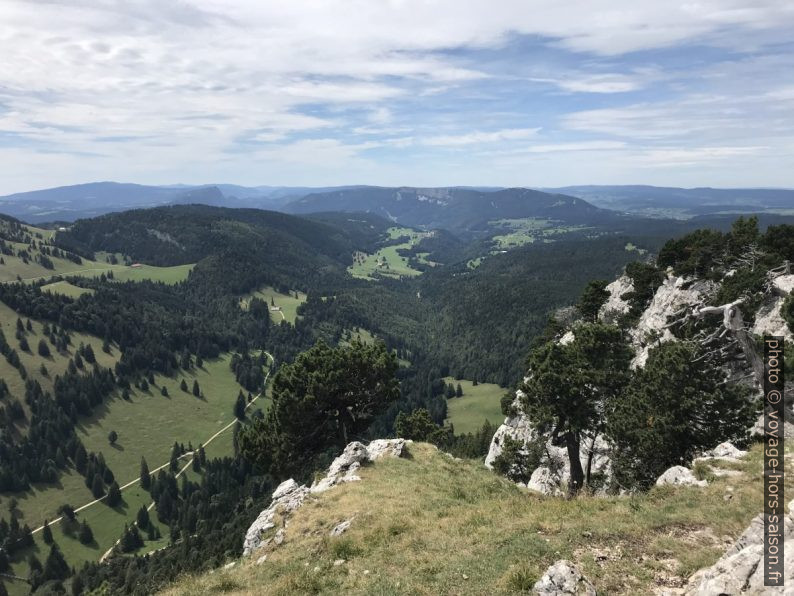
column 239, row 407
column 174, row 463
column 77, row 585
column 458, row 391
column 143, row 518
column 113, row 437
column 183, row 385
column 46, row 533
column 164, row 391
column 114, row 494
column 44, row 348
column 196, row 389
column 55, row 567
column 97, row 486
column 146, row 479
column 86, row 535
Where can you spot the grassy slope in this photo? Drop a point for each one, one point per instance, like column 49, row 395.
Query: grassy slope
column 147, row 425
column 477, row 405
column 527, row 231
column 430, row 525
column 15, row 267
column 287, row 302
column 66, row 289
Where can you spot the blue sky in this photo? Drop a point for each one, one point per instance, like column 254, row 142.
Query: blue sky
column 505, row 92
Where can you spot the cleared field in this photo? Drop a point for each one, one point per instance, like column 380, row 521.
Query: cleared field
column 519, row 232
column 26, row 262
column 360, row 334
column 478, row 404
column 149, row 423
column 66, row 289
column 167, row 275
column 285, row 305
column 387, row 261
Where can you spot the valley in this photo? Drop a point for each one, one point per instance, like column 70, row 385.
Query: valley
column 185, row 310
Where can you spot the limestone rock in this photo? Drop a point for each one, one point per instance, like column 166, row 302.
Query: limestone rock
column 516, row 427
column 679, row 476
column 783, row 284
column 769, row 321
column 675, row 294
column 341, row 528
column 287, row 497
column 563, row 579
column 726, row 450
column 740, row 569
column 615, row 305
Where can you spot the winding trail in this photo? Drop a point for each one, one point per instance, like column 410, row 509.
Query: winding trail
column 186, row 455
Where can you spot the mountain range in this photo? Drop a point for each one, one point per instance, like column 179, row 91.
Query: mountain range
column 455, row 208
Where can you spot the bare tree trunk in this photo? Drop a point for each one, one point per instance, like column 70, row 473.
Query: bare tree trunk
column 577, row 474
column 590, row 454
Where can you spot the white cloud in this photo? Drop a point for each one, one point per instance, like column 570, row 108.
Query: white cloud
column 161, row 82
column 472, row 138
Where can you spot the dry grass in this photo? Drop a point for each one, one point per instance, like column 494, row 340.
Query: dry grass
column 430, row 525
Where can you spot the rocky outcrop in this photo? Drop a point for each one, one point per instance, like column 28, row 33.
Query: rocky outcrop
column 289, row 495
column 740, row 570
column 551, row 477
column 563, row 579
column 769, row 321
column 783, row 284
column 615, row 305
column 679, row 476
column 515, row 426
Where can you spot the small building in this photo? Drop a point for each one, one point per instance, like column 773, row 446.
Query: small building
column 136, row 265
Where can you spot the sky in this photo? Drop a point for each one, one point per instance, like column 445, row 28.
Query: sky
column 539, row 93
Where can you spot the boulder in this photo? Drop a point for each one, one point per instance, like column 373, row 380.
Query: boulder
column 725, row 450
column 679, row 476
column 341, row 528
column 563, row 579
column 740, row 569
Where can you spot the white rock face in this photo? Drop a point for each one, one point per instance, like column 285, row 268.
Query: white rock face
column 563, row 579
column 769, row 321
column 516, row 427
column 615, row 305
column 289, row 495
column 672, row 296
column 679, row 476
column 783, row 284
column 740, row 570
